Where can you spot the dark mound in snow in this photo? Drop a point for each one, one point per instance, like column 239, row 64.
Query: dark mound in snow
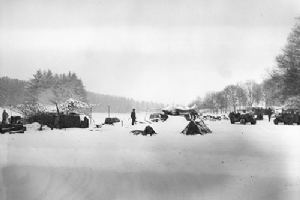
column 147, row 131
column 196, row 127
column 111, row 120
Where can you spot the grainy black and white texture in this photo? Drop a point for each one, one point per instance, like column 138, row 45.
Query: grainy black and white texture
column 147, row 54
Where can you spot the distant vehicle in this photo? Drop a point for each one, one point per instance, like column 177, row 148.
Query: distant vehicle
column 278, row 110
column 224, row 117
column 243, row 118
column 258, row 112
column 212, row 117
column 179, row 111
column 289, row 117
column 156, row 117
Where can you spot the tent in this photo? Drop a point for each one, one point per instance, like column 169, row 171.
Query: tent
column 196, row 127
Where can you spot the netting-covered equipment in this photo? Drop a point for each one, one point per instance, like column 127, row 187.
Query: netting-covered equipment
column 75, row 106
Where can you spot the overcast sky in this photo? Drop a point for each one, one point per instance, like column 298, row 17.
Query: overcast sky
column 167, row 51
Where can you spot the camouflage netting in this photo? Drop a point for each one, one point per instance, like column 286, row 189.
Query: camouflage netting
column 75, row 106
column 30, row 109
column 196, row 127
column 69, row 106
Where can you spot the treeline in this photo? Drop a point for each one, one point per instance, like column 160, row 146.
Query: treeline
column 12, row 91
column 45, row 88
column 282, row 87
column 118, row 104
column 48, row 88
column 232, row 97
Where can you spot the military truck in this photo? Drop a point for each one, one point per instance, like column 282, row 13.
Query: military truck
column 258, row 112
column 288, row 116
column 243, row 118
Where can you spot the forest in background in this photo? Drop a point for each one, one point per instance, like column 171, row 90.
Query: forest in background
column 12, row 91
column 49, row 89
column 281, row 87
column 118, row 104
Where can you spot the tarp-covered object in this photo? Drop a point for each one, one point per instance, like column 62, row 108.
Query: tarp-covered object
column 196, row 127
column 147, row 131
column 111, row 120
column 69, row 106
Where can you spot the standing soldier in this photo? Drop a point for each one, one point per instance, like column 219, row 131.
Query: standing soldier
column 133, row 117
column 269, row 113
column 4, row 117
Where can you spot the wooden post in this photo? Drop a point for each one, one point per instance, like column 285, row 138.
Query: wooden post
column 91, row 115
column 108, row 107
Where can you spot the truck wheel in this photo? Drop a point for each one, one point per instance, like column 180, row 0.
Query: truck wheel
column 275, row 121
column 253, row 122
column 231, row 121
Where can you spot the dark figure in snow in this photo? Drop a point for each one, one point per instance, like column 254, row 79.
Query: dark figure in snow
column 4, row 117
column 269, row 114
column 133, row 117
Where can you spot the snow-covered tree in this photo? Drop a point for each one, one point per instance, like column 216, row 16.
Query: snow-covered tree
column 46, row 87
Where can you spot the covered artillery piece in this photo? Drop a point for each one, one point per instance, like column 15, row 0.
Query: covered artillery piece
column 65, row 115
column 59, row 120
column 15, row 126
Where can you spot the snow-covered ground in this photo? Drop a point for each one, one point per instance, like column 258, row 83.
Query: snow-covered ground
column 234, row 162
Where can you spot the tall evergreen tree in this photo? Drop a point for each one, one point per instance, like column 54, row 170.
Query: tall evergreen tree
column 46, row 87
column 288, row 64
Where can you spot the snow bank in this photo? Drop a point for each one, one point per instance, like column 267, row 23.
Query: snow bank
column 36, row 126
column 236, row 162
